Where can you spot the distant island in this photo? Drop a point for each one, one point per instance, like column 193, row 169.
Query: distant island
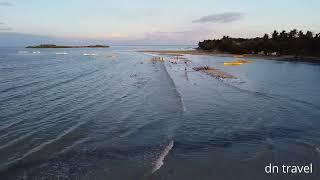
column 55, row 46
column 295, row 43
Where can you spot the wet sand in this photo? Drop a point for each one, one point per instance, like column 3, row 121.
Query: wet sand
column 290, row 58
column 214, row 72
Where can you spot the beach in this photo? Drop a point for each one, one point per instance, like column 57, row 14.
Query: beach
column 291, row 58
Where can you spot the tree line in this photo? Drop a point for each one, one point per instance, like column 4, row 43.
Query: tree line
column 293, row 42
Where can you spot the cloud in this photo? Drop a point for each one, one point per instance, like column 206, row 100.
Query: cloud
column 5, row 29
column 5, row 4
column 220, row 18
column 185, row 36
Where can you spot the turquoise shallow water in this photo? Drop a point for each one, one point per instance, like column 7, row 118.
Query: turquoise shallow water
column 116, row 115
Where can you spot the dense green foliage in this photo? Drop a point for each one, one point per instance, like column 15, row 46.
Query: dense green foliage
column 55, row 46
column 284, row 43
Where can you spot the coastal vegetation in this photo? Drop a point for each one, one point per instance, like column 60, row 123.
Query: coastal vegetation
column 294, row 42
column 55, row 46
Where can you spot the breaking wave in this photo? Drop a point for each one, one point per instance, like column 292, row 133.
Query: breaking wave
column 181, row 102
column 160, row 161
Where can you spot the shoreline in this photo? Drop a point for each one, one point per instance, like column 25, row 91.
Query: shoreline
column 288, row 58
column 52, row 46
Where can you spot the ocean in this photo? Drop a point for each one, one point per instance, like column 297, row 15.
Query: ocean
column 114, row 114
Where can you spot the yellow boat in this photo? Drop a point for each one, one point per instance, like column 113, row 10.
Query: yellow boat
column 233, row 63
column 237, row 62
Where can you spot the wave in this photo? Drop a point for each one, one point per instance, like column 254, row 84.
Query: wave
column 61, row 53
column 181, row 102
column 22, row 86
column 56, row 102
column 89, row 54
column 16, row 140
column 51, row 86
column 76, row 143
column 269, row 95
column 268, row 148
column 90, row 101
column 23, row 52
column 245, row 136
column 308, row 145
column 232, row 83
column 300, row 101
column 160, row 161
column 8, row 125
column 42, row 147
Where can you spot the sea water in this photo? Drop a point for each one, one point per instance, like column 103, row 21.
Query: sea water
column 118, row 115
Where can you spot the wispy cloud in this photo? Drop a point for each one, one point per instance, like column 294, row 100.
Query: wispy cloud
column 220, row 18
column 6, row 4
column 194, row 34
column 5, row 29
column 3, row 26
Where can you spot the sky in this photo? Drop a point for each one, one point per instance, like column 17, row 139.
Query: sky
column 156, row 22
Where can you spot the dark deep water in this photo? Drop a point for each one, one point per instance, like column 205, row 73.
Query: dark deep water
column 118, row 116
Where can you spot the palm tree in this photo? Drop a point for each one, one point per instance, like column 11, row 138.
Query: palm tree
column 275, row 35
column 300, row 35
column 266, row 37
column 293, row 34
column 283, row 35
column 286, row 43
column 309, row 35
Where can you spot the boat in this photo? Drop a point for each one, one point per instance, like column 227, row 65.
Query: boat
column 237, row 62
column 232, row 63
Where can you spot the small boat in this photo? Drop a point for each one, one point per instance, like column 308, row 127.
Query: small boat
column 233, row 63
column 36, row 52
column 237, row 62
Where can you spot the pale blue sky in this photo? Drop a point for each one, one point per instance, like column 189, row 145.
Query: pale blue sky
column 161, row 20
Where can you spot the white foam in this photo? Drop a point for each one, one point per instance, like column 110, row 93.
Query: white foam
column 183, row 108
column 160, row 161
column 61, row 53
column 22, row 52
column 150, row 54
column 88, row 54
column 182, row 102
column 318, row 149
column 36, row 52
